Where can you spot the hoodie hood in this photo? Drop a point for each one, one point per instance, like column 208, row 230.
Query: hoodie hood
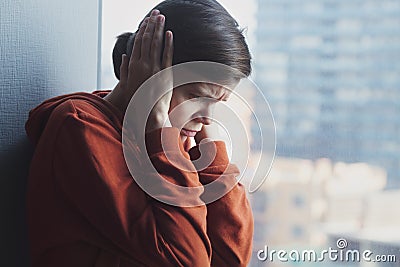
column 39, row 116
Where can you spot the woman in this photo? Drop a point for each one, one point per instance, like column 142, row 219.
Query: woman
column 84, row 207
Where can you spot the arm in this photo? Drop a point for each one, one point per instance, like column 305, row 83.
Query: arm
column 91, row 173
column 229, row 219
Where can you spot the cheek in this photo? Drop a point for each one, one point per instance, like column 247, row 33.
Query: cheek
column 181, row 112
column 174, row 102
column 190, row 110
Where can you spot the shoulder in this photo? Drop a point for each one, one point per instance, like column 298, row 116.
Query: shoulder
column 77, row 115
column 80, row 112
column 81, row 130
column 79, row 108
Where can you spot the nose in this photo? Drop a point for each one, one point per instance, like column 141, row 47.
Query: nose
column 206, row 120
column 204, row 116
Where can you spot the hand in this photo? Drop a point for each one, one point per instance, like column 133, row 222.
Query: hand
column 145, row 62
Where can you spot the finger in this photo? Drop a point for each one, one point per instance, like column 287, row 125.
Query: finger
column 168, row 50
column 200, row 135
column 123, row 70
column 148, row 35
column 156, row 45
column 138, row 41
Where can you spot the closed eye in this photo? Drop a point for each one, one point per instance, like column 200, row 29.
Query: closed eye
column 203, row 98
column 193, row 97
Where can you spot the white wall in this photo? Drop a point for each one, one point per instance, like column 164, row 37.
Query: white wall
column 47, row 48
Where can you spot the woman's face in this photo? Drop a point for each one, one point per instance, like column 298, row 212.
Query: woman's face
column 192, row 106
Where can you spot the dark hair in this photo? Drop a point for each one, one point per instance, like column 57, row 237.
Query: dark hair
column 203, row 31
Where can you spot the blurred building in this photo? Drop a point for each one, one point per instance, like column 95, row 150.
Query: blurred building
column 379, row 233
column 282, row 207
column 331, row 72
column 304, row 203
column 348, row 192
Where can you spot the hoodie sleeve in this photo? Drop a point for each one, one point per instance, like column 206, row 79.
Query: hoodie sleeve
column 90, row 169
column 229, row 219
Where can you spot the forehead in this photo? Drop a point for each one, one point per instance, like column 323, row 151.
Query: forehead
column 215, row 91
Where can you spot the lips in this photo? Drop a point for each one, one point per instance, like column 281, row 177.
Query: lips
column 188, row 133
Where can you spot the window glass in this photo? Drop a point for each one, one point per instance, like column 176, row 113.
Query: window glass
column 330, row 71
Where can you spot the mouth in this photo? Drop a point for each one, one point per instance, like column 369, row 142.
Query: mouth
column 189, row 133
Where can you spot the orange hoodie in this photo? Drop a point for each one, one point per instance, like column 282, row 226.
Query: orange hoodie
column 85, row 209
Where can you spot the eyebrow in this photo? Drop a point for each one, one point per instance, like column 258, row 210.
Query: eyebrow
column 206, row 94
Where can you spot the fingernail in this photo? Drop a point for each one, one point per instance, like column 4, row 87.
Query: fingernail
column 160, row 18
column 155, row 12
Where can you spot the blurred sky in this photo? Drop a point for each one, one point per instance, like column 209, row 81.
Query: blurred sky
column 122, row 15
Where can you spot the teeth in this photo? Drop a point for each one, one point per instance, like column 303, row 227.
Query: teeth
column 188, row 133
